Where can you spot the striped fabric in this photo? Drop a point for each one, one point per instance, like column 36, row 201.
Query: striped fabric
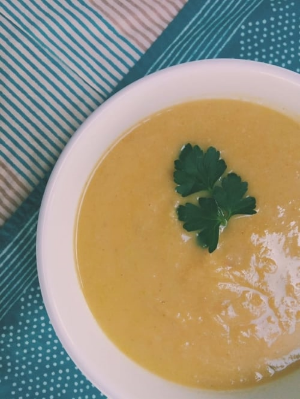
column 140, row 21
column 208, row 32
column 20, row 255
column 51, row 83
column 55, row 113
column 59, row 60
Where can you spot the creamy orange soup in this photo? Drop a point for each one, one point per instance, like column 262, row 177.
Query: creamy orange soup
column 223, row 320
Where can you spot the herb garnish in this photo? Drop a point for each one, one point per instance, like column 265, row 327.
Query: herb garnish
column 195, row 171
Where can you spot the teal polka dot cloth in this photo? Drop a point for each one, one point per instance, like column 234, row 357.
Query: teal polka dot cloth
column 64, row 58
column 33, row 362
column 273, row 38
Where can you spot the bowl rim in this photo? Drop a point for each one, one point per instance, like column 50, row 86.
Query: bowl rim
column 53, row 312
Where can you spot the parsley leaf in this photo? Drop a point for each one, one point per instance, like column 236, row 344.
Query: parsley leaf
column 230, row 195
column 205, row 218
column 197, row 171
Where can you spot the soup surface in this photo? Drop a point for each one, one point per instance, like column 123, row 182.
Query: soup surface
column 223, row 320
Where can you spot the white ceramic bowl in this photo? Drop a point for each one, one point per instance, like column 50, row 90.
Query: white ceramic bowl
column 95, row 355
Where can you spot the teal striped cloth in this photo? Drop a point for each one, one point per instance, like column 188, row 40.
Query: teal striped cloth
column 60, row 59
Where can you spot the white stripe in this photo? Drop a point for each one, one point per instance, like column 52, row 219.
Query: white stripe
column 172, row 11
column 5, row 213
column 70, row 46
column 15, row 300
column 41, row 69
column 27, row 283
column 162, row 12
column 86, row 54
column 16, row 238
column 177, row 42
column 17, row 261
column 18, row 297
column 12, row 197
column 21, row 154
column 179, row 3
column 53, row 72
column 108, row 31
column 14, row 287
column 44, row 95
column 28, row 163
column 57, row 49
column 6, row 184
column 222, row 28
column 123, row 26
column 20, row 178
column 35, row 134
column 109, row 43
column 144, row 20
column 159, row 12
column 132, row 17
column 252, row 8
column 204, row 30
column 5, row 202
column 148, row 14
column 145, row 37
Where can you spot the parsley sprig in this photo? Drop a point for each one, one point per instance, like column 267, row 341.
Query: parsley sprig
column 199, row 171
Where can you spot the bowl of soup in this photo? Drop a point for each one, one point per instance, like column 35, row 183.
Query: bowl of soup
column 141, row 308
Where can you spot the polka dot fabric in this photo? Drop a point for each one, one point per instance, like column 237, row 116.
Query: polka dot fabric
column 271, row 35
column 33, row 363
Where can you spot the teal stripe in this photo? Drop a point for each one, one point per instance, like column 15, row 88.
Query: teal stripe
column 64, row 42
column 17, row 293
column 21, row 263
column 55, row 44
column 39, row 117
column 208, row 24
column 16, row 266
column 20, row 145
column 41, row 85
column 89, row 20
column 233, row 20
column 167, row 53
column 29, row 120
column 16, row 278
column 18, row 239
column 76, row 82
column 38, row 104
column 28, row 260
column 18, row 258
column 109, row 26
column 46, row 77
column 88, row 54
column 90, row 44
column 13, row 151
column 21, row 158
column 17, row 297
column 115, row 56
column 205, row 32
column 242, row 18
column 11, row 162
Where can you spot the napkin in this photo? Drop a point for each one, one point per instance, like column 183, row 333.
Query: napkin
column 60, row 59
